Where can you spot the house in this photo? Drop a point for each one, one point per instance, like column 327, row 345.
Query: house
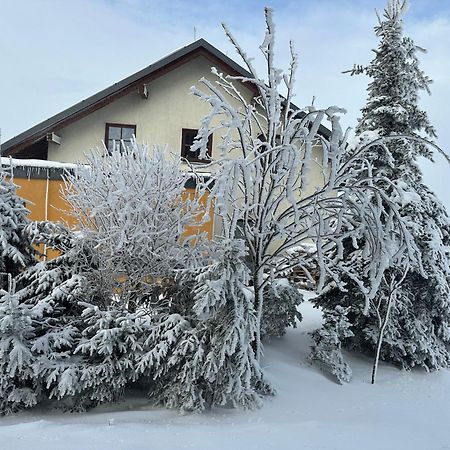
column 153, row 104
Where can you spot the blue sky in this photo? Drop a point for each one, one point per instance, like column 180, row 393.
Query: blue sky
column 55, row 53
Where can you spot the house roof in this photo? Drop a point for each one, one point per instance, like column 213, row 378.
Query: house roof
column 200, row 47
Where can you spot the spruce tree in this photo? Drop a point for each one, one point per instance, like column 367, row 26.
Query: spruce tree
column 213, row 362
column 408, row 322
column 40, row 319
column 18, row 385
column 15, row 249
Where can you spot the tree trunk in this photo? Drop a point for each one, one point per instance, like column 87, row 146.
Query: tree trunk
column 380, row 339
column 257, row 283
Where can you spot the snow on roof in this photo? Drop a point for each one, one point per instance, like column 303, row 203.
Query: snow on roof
column 35, row 163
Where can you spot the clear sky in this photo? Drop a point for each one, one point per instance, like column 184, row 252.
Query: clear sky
column 55, row 53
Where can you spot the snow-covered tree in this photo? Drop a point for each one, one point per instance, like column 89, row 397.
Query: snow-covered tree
column 18, row 386
column 15, row 249
column 103, row 362
column 408, row 321
column 132, row 205
column 263, row 178
column 214, row 362
column 327, row 340
column 280, row 308
column 78, row 353
column 45, row 299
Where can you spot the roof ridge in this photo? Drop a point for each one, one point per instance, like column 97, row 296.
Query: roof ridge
column 38, row 131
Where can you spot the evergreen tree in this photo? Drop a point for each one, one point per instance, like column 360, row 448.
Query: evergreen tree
column 15, row 249
column 409, row 320
column 41, row 318
column 65, row 336
column 327, row 344
column 280, row 308
column 18, row 386
column 213, row 363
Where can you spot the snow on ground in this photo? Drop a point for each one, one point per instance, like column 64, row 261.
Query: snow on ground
column 403, row 411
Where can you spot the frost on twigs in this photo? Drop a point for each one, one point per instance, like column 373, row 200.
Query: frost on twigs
column 281, row 181
column 133, row 206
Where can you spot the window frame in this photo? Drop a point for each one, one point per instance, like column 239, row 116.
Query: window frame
column 117, row 125
column 185, row 153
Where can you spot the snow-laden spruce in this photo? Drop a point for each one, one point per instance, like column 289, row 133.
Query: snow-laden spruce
column 327, row 344
column 64, row 337
column 15, row 250
column 214, row 362
column 408, row 321
column 280, row 309
column 39, row 319
column 18, row 387
column 265, row 189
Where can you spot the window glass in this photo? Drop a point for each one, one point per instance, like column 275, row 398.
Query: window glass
column 187, row 139
column 114, row 132
column 127, row 133
column 117, row 136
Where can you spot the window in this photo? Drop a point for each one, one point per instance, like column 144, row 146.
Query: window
column 262, row 138
column 116, row 134
column 187, row 139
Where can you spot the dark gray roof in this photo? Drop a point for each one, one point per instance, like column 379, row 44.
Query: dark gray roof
column 76, row 111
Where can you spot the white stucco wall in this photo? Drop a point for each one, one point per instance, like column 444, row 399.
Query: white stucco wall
column 159, row 119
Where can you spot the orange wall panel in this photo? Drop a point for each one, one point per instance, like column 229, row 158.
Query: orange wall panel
column 205, row 227
column 34, row 192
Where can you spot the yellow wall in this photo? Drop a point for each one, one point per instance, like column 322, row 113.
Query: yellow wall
column 43, row 205
column 205, row 227
column 52, row 206
column 33, row 191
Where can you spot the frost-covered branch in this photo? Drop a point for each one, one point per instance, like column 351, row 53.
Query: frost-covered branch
column 278, row 182
column 133, row 207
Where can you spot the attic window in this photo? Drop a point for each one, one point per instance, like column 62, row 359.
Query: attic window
column 118, row 135
column 187, row 139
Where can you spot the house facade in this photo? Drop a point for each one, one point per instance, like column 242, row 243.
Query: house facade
column 153, row 104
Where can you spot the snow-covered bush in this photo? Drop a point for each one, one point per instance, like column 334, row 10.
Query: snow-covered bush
column 15, row 249
column 132, row 205
column 56, row 345
column 48, row 293
column 280, row 308
column 18, row 386
column 408, row 321
column 103, row 362
column 40, row 317
column 326, row 348
column 214, row 363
